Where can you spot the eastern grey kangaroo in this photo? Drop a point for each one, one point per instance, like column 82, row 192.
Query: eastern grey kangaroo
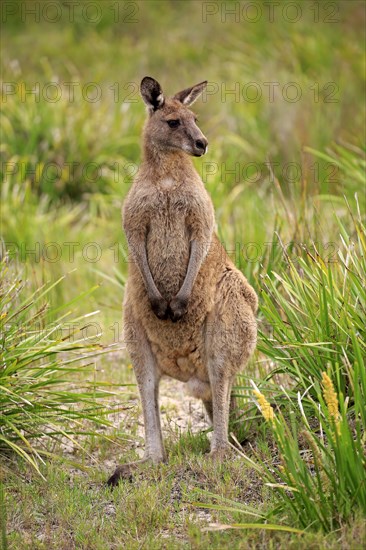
column 189, row 313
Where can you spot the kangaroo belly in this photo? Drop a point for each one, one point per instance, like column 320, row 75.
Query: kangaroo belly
column 168, row 256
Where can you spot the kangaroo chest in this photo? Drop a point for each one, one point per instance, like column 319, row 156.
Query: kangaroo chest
column 168, row 240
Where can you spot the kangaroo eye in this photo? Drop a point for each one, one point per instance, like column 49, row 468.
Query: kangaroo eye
column 173, row 123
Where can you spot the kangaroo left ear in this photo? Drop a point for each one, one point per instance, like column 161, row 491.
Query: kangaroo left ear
column 189, row 95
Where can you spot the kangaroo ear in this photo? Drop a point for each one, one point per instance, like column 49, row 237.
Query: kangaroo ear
column 152, row 93
column 189, row 95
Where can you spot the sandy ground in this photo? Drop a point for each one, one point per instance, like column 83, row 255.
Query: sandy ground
column 179, row 412
column 186, row 411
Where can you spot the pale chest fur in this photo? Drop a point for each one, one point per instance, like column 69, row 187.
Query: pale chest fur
column 168, row 237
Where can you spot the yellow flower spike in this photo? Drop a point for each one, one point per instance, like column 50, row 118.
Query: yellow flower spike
column 331, row 400
column 266, row 409
column 317, row 458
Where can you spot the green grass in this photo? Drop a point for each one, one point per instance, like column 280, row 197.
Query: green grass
column 295, row 230
column 48, row 380
column 157, row 510
column 316, row 310
column 320, row 474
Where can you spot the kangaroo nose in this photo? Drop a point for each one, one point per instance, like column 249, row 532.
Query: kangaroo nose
column 200, row 144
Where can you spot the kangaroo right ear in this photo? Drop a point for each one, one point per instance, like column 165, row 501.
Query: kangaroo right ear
column 152, row 93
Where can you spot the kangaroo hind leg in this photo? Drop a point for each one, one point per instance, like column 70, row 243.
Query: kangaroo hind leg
column 148, row 378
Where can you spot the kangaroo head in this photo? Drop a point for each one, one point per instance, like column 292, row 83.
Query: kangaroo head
column 171, row 125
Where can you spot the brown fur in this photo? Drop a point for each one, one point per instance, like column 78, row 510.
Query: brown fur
column 189, row 313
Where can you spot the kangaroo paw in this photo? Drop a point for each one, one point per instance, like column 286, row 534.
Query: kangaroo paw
column 160, row 308
column 178, row 308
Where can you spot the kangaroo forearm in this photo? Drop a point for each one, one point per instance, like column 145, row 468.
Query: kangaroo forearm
column 140, row 258
column 151, row 287
column 197, row 254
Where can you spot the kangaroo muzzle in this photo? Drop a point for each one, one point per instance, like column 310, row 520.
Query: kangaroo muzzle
column 200, row 146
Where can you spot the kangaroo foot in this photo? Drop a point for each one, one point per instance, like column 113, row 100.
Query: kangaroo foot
column 220, row 453
column 125, row 471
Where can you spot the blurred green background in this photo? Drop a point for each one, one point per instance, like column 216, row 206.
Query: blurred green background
column 284, row 115
column 69, row 150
